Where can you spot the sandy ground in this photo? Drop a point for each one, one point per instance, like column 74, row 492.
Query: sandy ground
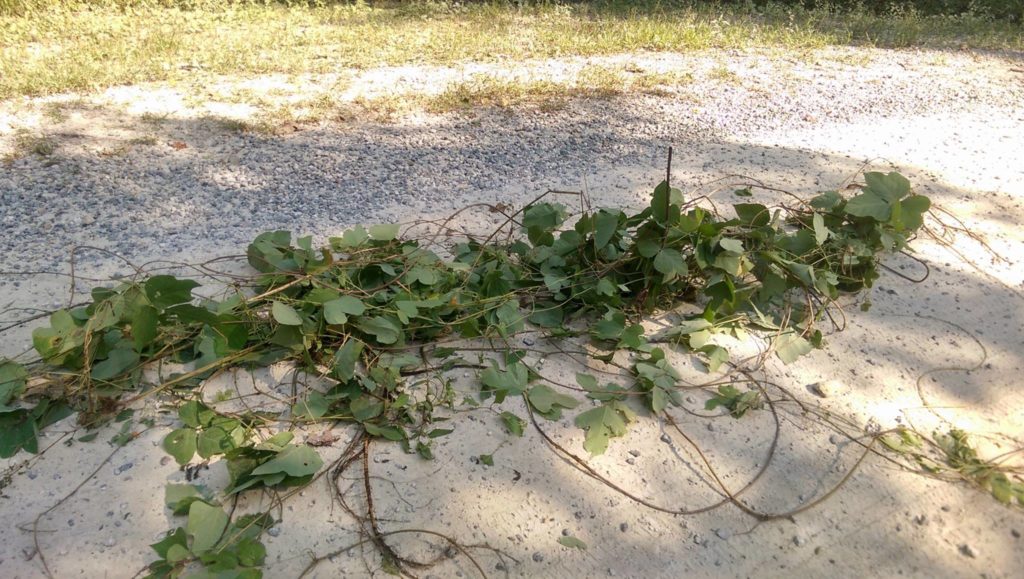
column 884, row 522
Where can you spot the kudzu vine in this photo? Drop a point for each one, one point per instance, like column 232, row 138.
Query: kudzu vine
column 374, row 310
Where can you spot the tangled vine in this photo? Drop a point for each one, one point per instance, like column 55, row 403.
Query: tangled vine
column 375, row 312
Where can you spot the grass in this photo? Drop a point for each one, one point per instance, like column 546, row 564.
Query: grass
column 54, row 46
column 28, row 143
column 600, row 82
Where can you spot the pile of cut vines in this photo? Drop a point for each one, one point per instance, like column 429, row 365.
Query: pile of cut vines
column 375, row 312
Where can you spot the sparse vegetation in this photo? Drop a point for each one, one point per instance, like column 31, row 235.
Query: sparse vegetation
column 74, row 45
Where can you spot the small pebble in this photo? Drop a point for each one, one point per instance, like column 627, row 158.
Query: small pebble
column 624, row 527
column 635, row 452
column 274, row 531
column 538, row 556
column 723, row 534
column 968, row 551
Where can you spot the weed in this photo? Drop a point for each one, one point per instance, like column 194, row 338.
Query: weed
column 77, row 46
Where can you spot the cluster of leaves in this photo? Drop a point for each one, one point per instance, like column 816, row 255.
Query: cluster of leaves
column 210, row 544
column 737, row 402
column 953, row 453
column 366, row 311
column 355, row 307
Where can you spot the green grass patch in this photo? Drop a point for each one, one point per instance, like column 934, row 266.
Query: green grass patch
column 72, row 45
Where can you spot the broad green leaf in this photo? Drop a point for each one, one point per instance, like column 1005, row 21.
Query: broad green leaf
column 117, row 362
column 205, row 525
column 366, row 407
column 313, row 407
column 603, row 422
column 821, row 232
column 670, row 263
column 13, row 378
column 914, row 208
column 513, row 423
column 606, row 223
column 179, row 497
column 387, row 431
column 144, row 326
column 351, row 238
column 891, row 187
column 753, row 214
column 383, row 329
column 345, row 359
column 790, row 346
column 285, row 314
column 544, row 399
column 335, row 310
column 181, row 444
column 547, row 316
column 17, row 431
column 164, row 291
column 178, row 537
column 297, row 461
column 717, row 355
column 510, row 381
column 573, row 543
column 384, row 232
column 731, row 245
column 867, row 204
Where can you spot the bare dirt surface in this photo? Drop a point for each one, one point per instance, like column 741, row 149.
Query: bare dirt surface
column 144, row 171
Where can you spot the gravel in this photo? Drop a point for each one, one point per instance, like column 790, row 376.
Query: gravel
column 213, row 195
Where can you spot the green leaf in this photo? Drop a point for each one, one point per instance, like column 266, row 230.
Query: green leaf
column 731, row 245
column 351, row 238
column 891, row 187
column 603, row 422
column 670, row 263
column 285, row 314
column 914, row 208
column 181, row 444
column 868, row 204
column 753, row 214
column 511, row 381
column 205, row 525
column 345, row 359
column 821, row 232
column 606, row 223
column 13, row 378
column 544, row 399
column 251, row 553
column 179, row 497
column 384, row 232
column 790, row 346
column 513, row 423
column 424, row 451
column 366, row 407
column 313, row 407
column 297, row 461
column 388, row 431
column 335, row 310
column 383, row 329
column 164, row 291
column 573, row 543
column 487, row 459
column 144, row 327
column 178, row 538
column 717, row 355
column 117, row 362
column 548, row 317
